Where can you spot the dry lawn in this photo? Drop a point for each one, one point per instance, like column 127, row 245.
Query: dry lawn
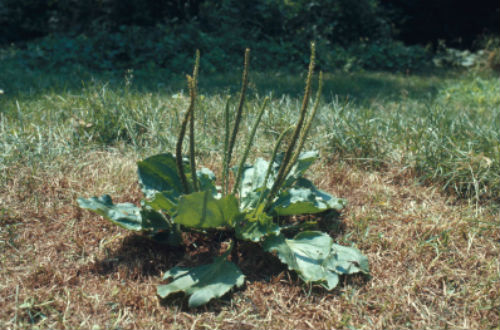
column 434, row 261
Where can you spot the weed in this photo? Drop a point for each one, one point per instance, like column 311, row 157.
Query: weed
column 179, row 201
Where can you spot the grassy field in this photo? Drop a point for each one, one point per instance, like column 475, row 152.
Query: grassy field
column 416, row 156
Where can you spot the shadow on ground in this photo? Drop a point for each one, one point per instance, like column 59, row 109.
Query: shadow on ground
column 18, row 81
column 139, row 257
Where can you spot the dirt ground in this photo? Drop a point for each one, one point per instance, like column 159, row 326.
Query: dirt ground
column 434, row 260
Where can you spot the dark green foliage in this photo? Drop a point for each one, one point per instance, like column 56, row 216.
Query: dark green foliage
column 458, row 23
column 126, row 215
column 337, row 21
column 111, row 34
column 108, row 35
column 342, row 21
column 391, row 56
column 28, row 19
column 168, row 47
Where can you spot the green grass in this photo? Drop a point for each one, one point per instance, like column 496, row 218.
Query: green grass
column 445, row 128
column 396, row 147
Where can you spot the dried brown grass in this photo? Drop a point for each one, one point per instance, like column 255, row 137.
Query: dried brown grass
column 434, row 261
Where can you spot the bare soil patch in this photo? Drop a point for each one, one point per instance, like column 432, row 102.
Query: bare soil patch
column 434, row 261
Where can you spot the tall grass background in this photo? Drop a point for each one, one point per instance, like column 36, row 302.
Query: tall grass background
column 443, row 128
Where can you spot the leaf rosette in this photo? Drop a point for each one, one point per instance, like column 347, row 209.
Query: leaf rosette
column 266, row 196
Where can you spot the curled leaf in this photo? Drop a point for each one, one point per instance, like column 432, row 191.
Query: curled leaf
column 304, row 198
column 315, row 257
column 125, row 215
column 348, row 260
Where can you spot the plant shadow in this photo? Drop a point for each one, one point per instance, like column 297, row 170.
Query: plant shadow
column 140, row 257
column 358, row 87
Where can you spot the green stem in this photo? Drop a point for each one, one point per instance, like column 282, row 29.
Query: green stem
column 307, row 127
column 249, row 145
column 226, row 146
column 288, row 154
column 244, row 84
column 192, row 93
column 180, row 140
column 270, row 167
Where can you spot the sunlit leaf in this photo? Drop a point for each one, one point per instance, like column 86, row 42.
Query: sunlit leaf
column 305, row 198
column 206, row 179
column 252, row 182
column 166, row 201
column 305, row 160
column 297, row 194
column 159, row 173
column 202, row 283
column 152, row 223
column 348, row 260
column 125, row 215
column 315, row 258
column 202, row 210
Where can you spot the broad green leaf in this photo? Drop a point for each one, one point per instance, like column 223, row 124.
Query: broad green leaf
column 315, row 257
column 304, row 198
column 311, row 255
column 253, row 226
column 296, row 201
column 251, row 198
column 203, row 283
column 305, row 160
column 125, row 215
column 130, row 217
column 159, row 173
column 348, row 260
column 253, row 176
column 252, row 182
column 253, row 185
column 202, row 210
column 305, row 253
column 206, row 179
column 166, row 201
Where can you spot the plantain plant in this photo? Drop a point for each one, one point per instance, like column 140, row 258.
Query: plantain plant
column 260, row 207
